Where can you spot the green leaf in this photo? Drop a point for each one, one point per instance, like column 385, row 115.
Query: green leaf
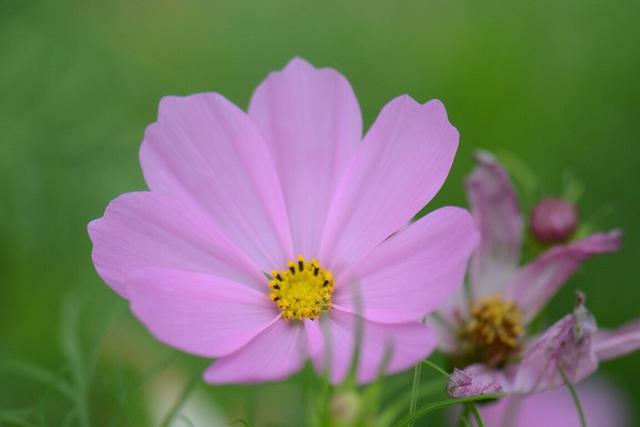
column 443, row 404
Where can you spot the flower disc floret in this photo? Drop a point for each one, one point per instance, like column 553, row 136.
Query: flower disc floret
column 493, row 328
column 303, row 290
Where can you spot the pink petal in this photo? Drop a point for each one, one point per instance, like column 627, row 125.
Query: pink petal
column 310, row 119
column 401, row 164
column 538, row 281
column 566, row 346
column 464, row 383
column 494, row 206
column 154, row 230
column 413, row 272
column 273, row 355
column 198, row 313
column 206, row 150
column 610, row 344
column 603, row 405
column 446, row 334
column 405, row 344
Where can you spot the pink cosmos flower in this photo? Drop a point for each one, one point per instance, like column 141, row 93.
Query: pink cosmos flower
column 484, row 329
column 603, row 405
column 258, row 227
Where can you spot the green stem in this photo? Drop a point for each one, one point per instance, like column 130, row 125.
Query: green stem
column 476, row 414
column 174, row 412
column 574, row 396
column 462, row 422
column 443, row 404
column 417, row 374
column 435, row 367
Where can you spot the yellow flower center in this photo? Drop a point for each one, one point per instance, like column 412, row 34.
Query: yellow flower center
column 493, row 329
column 303, row 290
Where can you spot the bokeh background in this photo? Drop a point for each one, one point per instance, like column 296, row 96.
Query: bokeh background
column 551, row 86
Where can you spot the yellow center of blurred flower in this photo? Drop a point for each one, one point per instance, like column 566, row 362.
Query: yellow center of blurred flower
column 493, row 329
column 303, row 290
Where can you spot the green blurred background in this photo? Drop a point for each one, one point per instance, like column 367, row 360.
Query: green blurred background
column 552, row 83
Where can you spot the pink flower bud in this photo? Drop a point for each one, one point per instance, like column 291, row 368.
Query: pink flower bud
column 553, row 220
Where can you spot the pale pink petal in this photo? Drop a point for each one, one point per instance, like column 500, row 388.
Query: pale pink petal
column 538, row 281
column 315, row 338
column 401, row 164
column 446, row 333
column 566, row 347
column 405, row 344
column 413, row 272
column 614, row 343
column 464, row 383
column 198, row 313
column 206, row 150
column 273, row 355
column 154, row 230
column 603, row 405
column 311, row 121
column 453, row 309
column 495, row 208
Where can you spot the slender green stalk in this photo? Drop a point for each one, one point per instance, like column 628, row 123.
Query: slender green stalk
column 574, row 396
column 443, row 404
column 75, row 359
column 463, row 421
column 38, row 374
column 435, row 367
column 476, row 414
column 394, row 410
column 417, row 374
column 175, row 410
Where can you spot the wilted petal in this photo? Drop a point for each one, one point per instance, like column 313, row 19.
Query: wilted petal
column 565, row 348
column 463, row 383
column 614, row 343
column 495, row 208
column 538, row 281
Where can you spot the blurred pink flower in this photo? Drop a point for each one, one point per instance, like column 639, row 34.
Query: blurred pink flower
column 256, row 223
column 603, row 405
column 484, row 329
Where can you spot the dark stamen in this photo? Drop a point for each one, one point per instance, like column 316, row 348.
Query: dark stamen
column 301, row 265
